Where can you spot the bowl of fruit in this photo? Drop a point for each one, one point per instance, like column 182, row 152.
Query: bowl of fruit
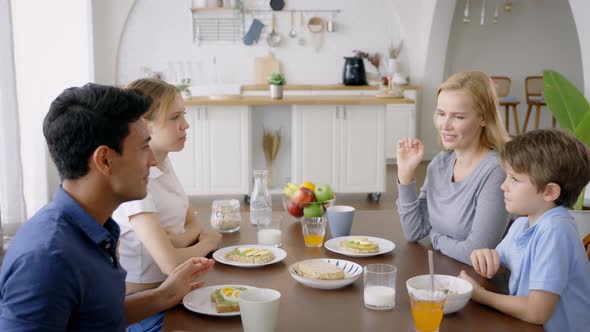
column 307, row 199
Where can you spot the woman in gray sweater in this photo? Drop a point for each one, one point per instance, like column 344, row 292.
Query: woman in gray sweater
column 461, row 205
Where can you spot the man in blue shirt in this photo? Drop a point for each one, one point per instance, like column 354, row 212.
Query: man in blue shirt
column 61, row 271
column 549, row 271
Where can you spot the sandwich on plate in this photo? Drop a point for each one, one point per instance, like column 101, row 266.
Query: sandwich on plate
column 318, row 269
column 360, row 245
column 226, row 299
column 250, row 255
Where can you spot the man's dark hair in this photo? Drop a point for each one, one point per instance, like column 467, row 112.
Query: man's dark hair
column 81, row 119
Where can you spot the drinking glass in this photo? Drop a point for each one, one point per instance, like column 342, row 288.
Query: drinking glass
column 269, row 232
column 314, row 229
column 427, row 309
column 379, row 292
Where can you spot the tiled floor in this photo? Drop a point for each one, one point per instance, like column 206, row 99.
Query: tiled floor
column 359, row 201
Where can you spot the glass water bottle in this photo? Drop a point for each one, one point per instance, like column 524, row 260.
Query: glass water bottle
column 260, row 199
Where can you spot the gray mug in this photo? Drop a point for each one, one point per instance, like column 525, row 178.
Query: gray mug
column 340, row 220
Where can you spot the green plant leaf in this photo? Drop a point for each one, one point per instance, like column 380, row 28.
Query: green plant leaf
column 564, row 100
column 582, row 131
column 579, row 205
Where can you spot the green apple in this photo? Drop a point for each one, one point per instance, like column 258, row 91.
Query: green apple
column 313, row 210
column 323, row 193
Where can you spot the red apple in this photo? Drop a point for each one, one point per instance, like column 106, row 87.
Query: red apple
column 303, row 196
column 295, row 210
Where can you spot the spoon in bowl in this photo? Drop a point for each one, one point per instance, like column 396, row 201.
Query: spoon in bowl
column 431, row 268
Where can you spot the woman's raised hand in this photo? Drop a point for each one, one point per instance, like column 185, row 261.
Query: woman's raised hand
column 410, row 153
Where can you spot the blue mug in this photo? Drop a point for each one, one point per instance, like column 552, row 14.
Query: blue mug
column 340, row 220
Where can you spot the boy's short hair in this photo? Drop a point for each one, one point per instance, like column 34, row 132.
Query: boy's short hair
column 81, row 119
column 551, row 156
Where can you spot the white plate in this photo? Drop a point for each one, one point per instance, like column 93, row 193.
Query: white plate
column 199, row 301
column 219, row 255
column 352, row 271
column 385, row 246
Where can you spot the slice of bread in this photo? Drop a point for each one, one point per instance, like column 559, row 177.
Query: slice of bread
column 360, row 245
column 250, row 255
column 319, row 269
column 229, row 302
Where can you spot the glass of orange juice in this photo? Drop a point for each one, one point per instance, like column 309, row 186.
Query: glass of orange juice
column 314, row 229
column 427, row 309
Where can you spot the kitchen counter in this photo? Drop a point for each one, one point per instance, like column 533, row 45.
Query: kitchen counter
column 299, row 100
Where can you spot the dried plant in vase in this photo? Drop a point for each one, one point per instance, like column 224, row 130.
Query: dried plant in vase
column 271, row 142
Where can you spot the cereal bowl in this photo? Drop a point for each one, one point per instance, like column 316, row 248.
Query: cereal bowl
column 458, row 290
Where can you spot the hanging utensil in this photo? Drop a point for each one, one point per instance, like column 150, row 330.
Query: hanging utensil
column 274, row 38
column 331, row 25
column 316, row 26
column 293, row 31
column 253, row 33
column 277, row 4
column 301, row 40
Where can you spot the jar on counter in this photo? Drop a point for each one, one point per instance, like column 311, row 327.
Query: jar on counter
column 225, row 215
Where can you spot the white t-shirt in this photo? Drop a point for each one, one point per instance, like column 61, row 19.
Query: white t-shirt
column 167, row 198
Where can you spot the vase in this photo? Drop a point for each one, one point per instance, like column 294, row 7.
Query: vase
column 276, row 91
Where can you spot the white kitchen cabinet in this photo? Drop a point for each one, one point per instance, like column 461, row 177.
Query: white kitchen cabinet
column 400, row 122
column 340, row 145
column 216, row 157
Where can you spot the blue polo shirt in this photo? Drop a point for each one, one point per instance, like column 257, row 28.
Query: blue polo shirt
column 61, row 273
column 549, row 256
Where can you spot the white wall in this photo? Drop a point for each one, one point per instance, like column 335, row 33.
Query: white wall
column 537, row 35
column 158, row 32
column 580, row 10
column 53, row 51
column 109, row 18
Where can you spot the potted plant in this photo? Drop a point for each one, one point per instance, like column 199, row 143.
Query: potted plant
column 572, row 111
column 276, row 82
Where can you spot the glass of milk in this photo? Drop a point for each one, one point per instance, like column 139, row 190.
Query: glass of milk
column 379, row 292
column 269, row 230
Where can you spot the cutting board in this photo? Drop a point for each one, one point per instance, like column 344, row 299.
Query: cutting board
column 264, row 66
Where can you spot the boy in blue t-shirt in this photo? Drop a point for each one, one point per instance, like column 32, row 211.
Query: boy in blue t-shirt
column 549, row 270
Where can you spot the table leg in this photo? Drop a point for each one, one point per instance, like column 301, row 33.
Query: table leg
column 526, row 118
column 537, row 116
column 506, row 109
column 515, row 115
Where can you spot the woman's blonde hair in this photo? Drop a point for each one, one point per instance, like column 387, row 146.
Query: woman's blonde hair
column 162, row 95
column 481, row 88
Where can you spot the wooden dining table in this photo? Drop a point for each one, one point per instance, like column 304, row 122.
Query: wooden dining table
column 308, row 309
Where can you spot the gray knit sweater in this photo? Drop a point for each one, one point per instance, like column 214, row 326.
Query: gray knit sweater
column 458, row 216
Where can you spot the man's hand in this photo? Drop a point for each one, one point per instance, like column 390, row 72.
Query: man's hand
column 486, row 262
column 410, row 153
column 183, row 278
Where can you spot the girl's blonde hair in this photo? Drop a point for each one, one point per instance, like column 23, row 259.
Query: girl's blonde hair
column 162, row 95
column 481, row 88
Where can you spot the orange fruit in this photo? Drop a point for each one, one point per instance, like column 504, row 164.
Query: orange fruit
column 308, row 185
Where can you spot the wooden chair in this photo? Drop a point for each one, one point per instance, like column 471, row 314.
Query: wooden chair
column 502, row 84
column 534, row 97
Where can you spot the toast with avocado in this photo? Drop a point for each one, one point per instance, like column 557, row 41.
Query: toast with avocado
column 226, row 299
column 360, row 245
column 250, row 255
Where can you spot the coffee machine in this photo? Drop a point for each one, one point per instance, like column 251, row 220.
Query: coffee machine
column 354, row 71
